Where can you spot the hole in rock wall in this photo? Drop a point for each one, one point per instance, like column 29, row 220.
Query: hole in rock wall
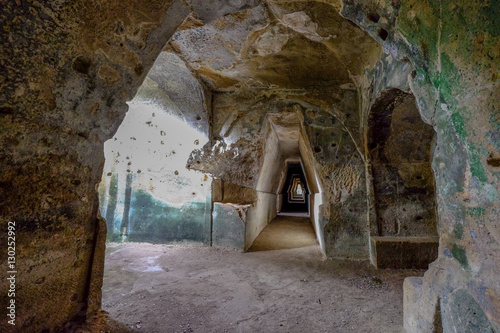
column 400, row 149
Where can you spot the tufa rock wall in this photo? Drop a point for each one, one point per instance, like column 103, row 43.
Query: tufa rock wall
column 67, row 70
column 453, row 47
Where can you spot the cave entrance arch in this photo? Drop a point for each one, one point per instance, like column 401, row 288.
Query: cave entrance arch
column 400, row 144
column 146, row 193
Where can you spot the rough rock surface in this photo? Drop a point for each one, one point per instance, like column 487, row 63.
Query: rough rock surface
column 147, row 194
column 66, row 72
column 454, row 48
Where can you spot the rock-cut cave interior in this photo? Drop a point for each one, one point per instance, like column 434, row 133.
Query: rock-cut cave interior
column 250, row 166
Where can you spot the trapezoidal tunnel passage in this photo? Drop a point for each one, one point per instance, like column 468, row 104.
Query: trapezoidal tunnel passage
column 193, row 128
column 294, row 195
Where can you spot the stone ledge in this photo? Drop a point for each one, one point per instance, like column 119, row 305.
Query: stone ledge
column 403, row 252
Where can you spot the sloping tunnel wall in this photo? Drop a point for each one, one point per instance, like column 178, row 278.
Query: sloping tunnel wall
column 63, row 94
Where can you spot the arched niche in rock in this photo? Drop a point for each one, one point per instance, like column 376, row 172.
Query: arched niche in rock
column 400, row 149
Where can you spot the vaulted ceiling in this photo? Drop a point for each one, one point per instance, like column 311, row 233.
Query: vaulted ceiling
column 275, row 44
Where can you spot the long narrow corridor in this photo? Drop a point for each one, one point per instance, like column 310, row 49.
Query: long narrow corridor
column 285, row 232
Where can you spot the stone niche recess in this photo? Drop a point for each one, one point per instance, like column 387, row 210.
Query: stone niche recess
column 404, row 231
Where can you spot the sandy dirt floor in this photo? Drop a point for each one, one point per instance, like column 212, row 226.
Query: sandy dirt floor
column 285, row 232
column 162, row 288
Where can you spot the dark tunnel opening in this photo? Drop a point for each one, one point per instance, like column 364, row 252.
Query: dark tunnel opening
column 295, row 193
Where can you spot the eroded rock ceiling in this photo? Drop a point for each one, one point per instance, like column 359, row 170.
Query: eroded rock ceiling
column 258, row 57
column 274, row 44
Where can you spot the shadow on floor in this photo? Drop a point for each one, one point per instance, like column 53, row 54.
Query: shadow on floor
column 99, row 323
column 285, row 232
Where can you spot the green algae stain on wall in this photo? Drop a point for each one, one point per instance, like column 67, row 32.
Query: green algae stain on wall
column 475, row 212
column 459, row 254
column 494, row 135
column 152, row 220
column 459, row 124
column 417, row 22
column 149, row 219
column 474, row 154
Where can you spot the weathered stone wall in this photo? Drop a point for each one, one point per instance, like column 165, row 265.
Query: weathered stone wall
column 66, row 71
column 453, row 46
column 334, row 139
